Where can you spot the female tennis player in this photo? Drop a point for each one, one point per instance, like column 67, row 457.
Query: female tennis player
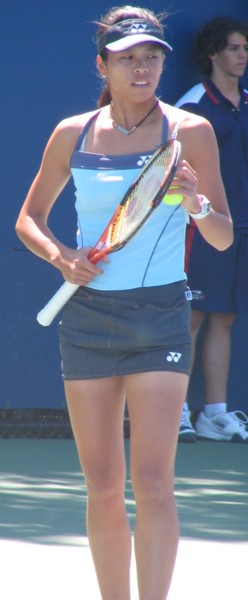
column 125, row 332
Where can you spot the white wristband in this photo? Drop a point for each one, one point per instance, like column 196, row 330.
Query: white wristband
column 205, row 209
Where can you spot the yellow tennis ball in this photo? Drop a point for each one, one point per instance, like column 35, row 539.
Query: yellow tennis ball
column 174, row 199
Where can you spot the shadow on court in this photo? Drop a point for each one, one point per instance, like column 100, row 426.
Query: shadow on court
column 43, row 495
column 212, row 491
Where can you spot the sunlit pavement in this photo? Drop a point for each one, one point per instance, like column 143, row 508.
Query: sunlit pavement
column 44, row 549
column 204, row 570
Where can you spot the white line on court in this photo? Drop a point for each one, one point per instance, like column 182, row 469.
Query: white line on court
column 57, row 572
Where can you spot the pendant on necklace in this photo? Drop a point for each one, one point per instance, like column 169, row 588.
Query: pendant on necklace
column 128, row 131
column 122, row 129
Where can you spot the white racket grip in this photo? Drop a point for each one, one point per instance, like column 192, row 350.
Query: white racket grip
column 49, row 312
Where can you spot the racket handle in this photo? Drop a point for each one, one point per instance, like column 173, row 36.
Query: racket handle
column 49, row 312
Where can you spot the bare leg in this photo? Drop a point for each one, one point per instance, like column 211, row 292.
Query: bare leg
column 197, row 319
column 155, row 403
column 215, row 356
column 96, row 410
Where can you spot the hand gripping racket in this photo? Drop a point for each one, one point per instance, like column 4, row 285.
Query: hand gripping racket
column 143, row 196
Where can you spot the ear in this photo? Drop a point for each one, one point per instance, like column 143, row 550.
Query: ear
column 101, row 65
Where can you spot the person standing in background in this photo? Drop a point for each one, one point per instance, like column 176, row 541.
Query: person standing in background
column 221, row 55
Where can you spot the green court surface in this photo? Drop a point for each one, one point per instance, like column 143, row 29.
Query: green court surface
column 43, row 542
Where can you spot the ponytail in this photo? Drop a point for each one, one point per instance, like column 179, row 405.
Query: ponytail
column 105, row 97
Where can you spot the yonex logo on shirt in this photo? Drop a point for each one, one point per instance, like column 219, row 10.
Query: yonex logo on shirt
column 143, row 160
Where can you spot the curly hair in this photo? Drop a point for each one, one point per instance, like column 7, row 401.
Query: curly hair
column 214, row 38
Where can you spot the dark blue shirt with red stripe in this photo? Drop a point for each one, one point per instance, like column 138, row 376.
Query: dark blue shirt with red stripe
column 231, row 129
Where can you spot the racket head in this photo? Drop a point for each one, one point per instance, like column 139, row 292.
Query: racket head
column 142, row 197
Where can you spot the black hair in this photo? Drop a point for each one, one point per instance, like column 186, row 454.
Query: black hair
column 116, row 15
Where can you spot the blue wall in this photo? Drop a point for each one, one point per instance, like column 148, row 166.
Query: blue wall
column 47, row 73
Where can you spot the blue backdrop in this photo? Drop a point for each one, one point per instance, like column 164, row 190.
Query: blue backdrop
column 47, row 73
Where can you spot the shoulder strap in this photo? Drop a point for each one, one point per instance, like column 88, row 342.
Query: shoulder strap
column 175, row 130
column 81, row 140
column 166, row 126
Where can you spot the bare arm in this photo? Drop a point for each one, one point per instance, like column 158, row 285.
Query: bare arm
column 199, row 173
column 32, row 227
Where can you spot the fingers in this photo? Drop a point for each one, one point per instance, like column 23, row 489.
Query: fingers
column 185, row 181
column 185, row 174
column 78, row 269
column 184, row 166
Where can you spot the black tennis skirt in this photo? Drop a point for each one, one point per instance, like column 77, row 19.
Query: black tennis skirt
column 108, row 333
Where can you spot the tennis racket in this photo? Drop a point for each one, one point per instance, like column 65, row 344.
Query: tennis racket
column 142, row 197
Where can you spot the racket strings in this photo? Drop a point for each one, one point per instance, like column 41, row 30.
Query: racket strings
column 144, row 196
column 131, row 214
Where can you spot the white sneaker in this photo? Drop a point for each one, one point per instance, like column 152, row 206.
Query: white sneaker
column 225, row 426
column 186, row 431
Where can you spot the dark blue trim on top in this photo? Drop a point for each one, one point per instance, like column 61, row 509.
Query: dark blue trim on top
column 88, row 160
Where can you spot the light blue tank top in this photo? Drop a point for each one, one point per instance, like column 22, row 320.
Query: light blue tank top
column 155, row 256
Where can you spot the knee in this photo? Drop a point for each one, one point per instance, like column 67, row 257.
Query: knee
column 221, row 322
column 153, row 489
column 104, row 488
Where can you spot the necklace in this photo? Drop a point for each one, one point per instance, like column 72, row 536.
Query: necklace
column 128, row 131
